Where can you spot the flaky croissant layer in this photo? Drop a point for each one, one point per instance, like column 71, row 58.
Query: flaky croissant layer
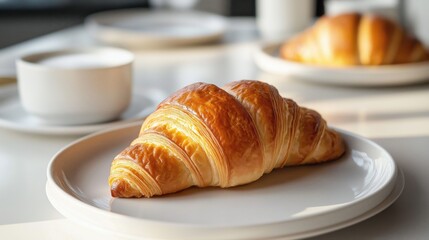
column 204, row 135
column 354, row 39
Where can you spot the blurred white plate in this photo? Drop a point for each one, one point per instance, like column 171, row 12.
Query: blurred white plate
column 133, row 28
column 7, row 70
column 267, row 58
column 288, row 203
column 13, row 116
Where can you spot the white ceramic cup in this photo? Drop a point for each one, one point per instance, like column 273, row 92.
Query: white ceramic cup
column 76, row 86
column 279, row 19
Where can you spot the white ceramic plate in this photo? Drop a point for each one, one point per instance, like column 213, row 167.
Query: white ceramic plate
column 133, row 28
column 13, row 116
column 267, row 58
column 287, row 203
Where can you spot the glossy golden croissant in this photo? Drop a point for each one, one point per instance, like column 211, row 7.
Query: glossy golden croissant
column 354, row 39
column 204, row 135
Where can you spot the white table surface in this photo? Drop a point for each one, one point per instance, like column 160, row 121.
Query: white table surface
column 397, row 118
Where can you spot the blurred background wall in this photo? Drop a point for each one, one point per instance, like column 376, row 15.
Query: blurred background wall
column 21, row 20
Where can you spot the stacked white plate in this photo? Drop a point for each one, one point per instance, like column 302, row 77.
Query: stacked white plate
column 292, row 202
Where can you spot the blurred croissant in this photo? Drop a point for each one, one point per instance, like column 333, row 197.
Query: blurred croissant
column 204, row 135
column 354, row 39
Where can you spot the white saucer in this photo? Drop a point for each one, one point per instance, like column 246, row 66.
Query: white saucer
column 267, row 58
column 133, row 28
column 287, row 203
column 13, row 116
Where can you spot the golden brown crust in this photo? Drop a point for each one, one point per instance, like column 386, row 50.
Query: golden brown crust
column 331, row 33
column 231, row 126
column 206, row 136
column 407, row 45
column 354, row 39
column 325, row 42
column 374, row 37
column 259, row 103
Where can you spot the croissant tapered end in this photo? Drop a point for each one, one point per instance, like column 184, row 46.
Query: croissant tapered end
column 317, row 142
column 354, row 39
column 121, row 188
column 331, row 41
column 331, row 147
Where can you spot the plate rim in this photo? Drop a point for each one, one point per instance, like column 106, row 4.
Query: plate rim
column 72, row 130
column 96, row 27
column 149, row 222
column 386, row 203
column 265, row 61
